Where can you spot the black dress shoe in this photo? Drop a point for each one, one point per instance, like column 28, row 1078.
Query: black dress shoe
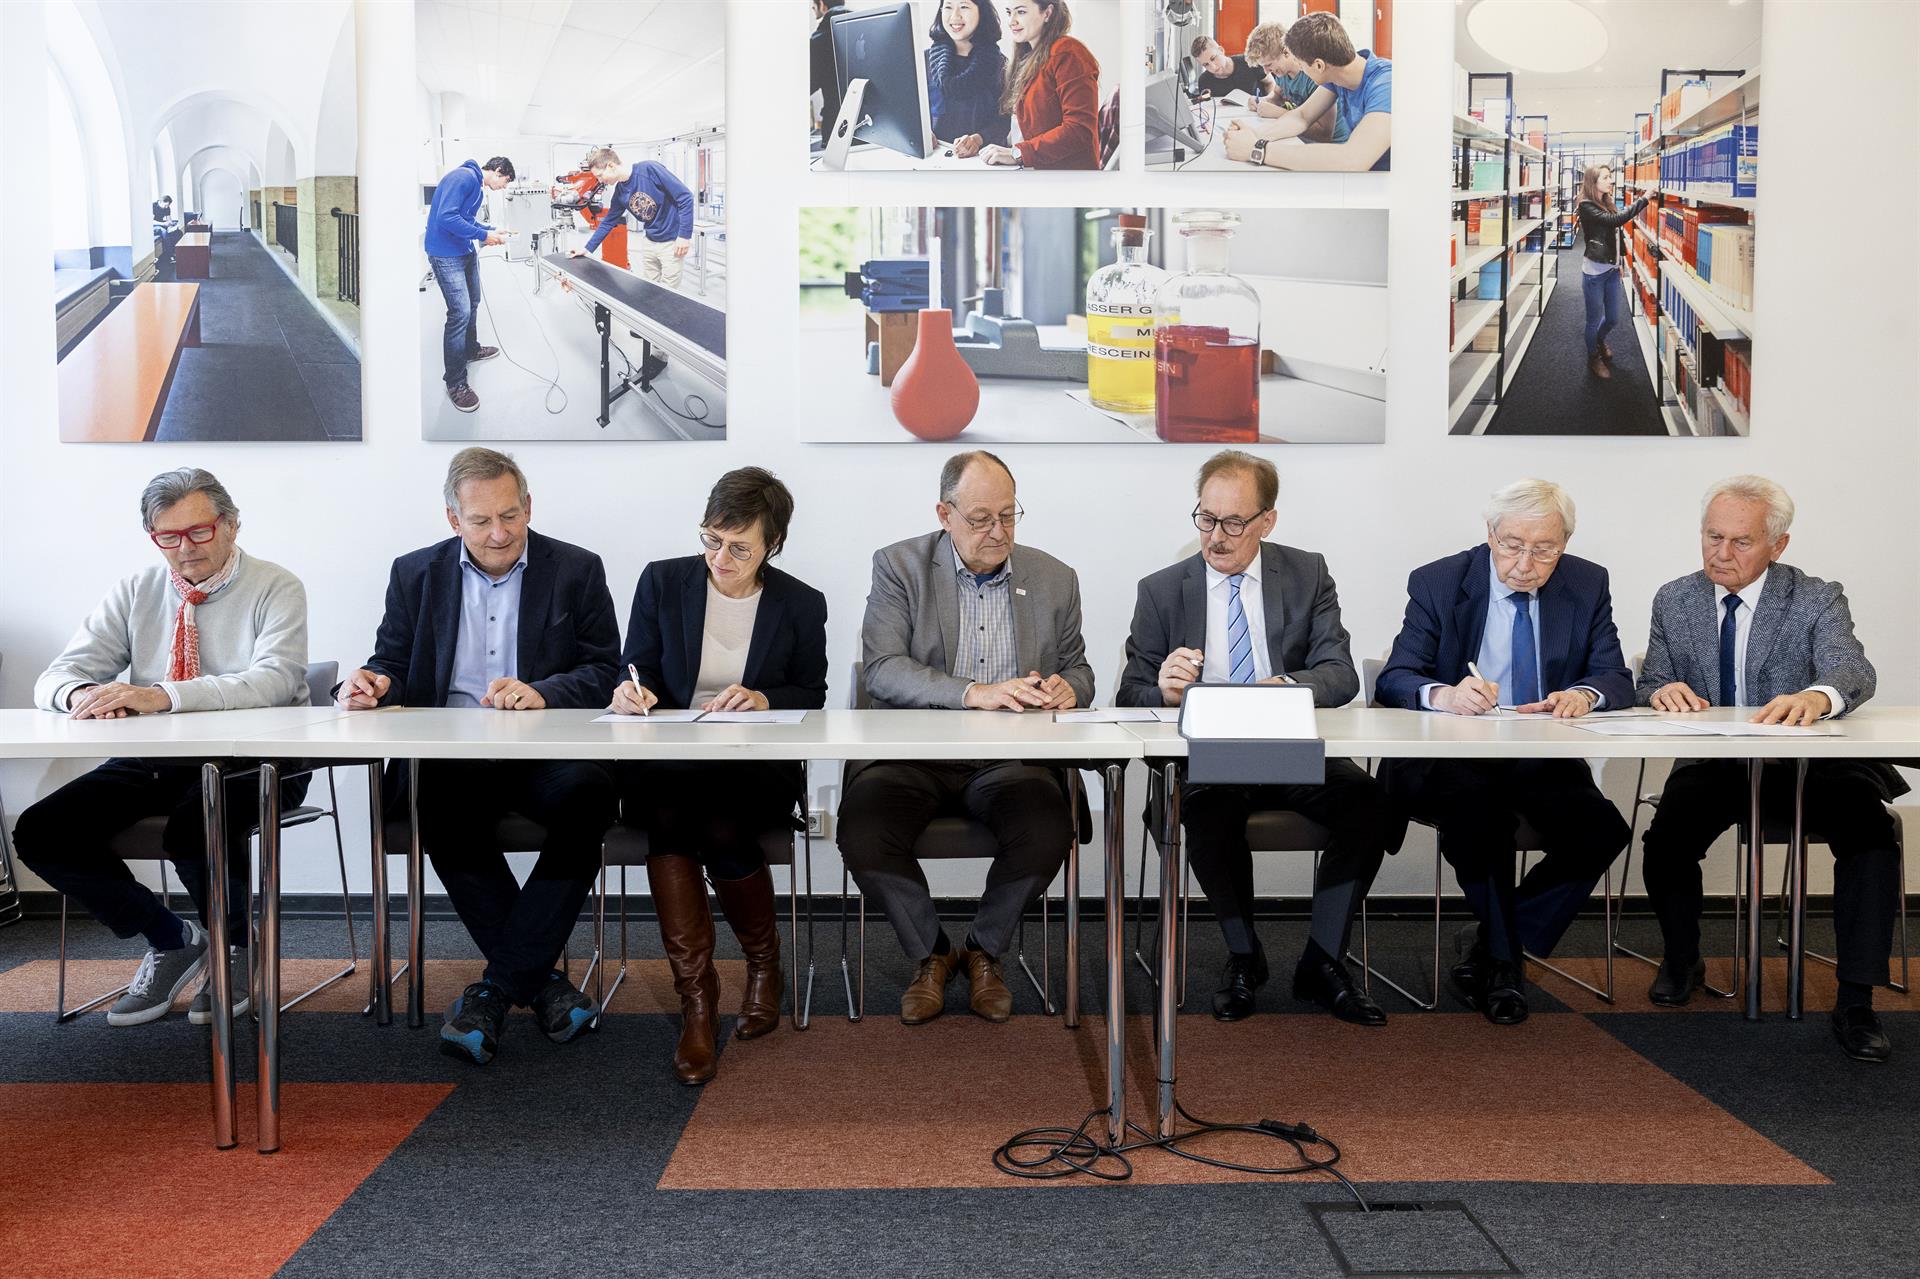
column 1504, row 1002
column 1244, row 975
column 1675, row 983
column 1469, row 974
column 1325, row 981
column 1860, row 1034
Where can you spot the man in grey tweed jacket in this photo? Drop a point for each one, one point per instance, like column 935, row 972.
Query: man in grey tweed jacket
column 1749, row 631
column 211, row 628
column 962, row 620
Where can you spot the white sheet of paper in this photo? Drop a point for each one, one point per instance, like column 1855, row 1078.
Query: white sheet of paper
column 1638, row 727
column 1767, row 730
column 1107, row 715
column 753, row 717
column 658, row 717
column 1166, row 714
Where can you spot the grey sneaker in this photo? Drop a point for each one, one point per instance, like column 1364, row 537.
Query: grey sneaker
column 162, row 975
column 200, row 1011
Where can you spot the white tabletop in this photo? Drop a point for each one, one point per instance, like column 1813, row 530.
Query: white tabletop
column 36, row 734
column 873, row 734
column 1891, row 732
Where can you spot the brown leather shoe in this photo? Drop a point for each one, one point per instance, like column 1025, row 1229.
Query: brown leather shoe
column 749, row 906
column 990, row 997
column 686, row 933
column 1606, row 352
column 926, row 996
column 1598, row 367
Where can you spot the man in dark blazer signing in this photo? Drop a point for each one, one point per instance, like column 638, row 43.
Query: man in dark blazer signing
column 960, row 619
column 1749, row 631
column 1514, row 625
column 501, row 618
column 1216, row 617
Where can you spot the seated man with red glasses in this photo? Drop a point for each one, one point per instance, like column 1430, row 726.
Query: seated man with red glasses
column 211, row 628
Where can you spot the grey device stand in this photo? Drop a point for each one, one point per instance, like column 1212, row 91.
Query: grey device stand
column 1256, row 761
column 840, row 141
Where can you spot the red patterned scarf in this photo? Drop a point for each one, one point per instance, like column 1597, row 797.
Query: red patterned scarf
column 183, row 660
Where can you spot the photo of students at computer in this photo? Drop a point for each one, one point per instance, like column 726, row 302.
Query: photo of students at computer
column 1092, row 325
column 573, row 277
column 1000, row 85
column 1247, row 85
column 205, row 237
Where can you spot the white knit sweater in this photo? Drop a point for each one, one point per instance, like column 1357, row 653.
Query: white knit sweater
column 253, row 642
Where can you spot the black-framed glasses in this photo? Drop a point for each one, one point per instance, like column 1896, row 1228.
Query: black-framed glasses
column 739, row 550
column 1006, row 519
column 1231, row 525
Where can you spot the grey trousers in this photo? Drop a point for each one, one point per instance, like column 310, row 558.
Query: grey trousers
column 888, row 805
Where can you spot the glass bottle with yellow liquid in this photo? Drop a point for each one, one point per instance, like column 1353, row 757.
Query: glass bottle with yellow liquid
column 1120, row 318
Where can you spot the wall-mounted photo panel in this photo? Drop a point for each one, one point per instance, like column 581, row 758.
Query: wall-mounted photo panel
column 206, row 254
column 1092, row 326
column 1253, row 86
column 970, row 86
column 1605, row 187
column 572, row 221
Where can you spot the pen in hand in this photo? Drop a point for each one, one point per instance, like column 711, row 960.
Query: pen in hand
column 638, row 692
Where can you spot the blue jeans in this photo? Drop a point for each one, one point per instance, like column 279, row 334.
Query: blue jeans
column 1605, row 303
column 459, row 281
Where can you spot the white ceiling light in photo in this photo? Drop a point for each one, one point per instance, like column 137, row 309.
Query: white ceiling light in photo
column 1538, row 35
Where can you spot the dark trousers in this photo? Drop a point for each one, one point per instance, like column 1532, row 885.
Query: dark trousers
column 1476, row 807
column 713, row 813
column 64, row 840
column 1844, row 808
column 521, row 930
column 888, row 805
column 1350, row 804
column 459, row 281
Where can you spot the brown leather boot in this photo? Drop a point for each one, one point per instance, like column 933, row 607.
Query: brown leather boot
column 990, row 997
column 926, row 996
column 1598, row 367
column 686, row 933
column 749, row 906
column 1606, row 352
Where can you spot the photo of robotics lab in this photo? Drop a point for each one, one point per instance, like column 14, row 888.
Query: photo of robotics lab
column 573, row 222
column 1000, row 86
column 1248, row 86
column 1092, row 325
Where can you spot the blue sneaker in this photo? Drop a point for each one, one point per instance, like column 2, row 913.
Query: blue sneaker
column 472, row 1029
column 563, row 1011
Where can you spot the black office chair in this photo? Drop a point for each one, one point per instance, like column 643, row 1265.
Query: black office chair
column 952, row 838
column 142, row 842
column 626, row 846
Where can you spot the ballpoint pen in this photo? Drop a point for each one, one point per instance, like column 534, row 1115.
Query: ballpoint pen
column 634, row 675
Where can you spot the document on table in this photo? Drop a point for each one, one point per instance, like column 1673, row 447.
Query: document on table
column 1634, row 727
column 707, row 717
column 1591, row 714
column 1686, row 728
column 1107, row 715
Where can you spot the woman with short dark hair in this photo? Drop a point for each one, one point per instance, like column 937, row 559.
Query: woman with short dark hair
column 721, row 631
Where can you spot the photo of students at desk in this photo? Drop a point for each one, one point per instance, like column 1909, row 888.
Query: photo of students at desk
column 1061, row 325
column 573, row 287
column 1301, row 97
column 963, row 84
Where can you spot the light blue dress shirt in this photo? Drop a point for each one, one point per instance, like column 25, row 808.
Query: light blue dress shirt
column 488, row 645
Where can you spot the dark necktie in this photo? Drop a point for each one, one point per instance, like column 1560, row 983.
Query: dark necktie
column 1729, row 651
column 1526, row 665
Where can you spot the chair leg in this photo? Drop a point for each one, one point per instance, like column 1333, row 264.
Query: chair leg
column 1140, row 907
column 346, row 909
column 1043, row 984
column 801, row 1014
column 1604, row 995
column 856, row 1003
column 62, row 1013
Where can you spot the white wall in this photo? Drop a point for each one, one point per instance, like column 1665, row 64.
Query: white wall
column 1834, row 414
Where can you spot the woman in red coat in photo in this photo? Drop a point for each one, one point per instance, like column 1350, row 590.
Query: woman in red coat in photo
column 1053, row 93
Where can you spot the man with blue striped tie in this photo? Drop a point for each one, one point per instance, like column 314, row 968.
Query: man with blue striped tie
column 1246, row 611
column 1515, row 624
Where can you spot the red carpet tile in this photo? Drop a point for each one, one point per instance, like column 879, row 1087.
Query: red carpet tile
column 892, row 1105
column 1631, row 979
column 30, row 987
column 123, row 1179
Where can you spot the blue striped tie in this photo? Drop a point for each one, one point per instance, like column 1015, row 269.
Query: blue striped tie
column 1239, row 642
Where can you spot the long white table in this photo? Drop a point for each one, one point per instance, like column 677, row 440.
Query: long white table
column 414, row 735
column 1884, row 733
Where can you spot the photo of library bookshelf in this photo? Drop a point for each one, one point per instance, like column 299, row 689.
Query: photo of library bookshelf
column 1605, row 170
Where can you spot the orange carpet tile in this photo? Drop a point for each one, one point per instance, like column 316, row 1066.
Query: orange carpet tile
column 897, row 1106
column 123, row 1179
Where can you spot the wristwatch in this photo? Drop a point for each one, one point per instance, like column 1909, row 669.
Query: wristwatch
column 1260, row 151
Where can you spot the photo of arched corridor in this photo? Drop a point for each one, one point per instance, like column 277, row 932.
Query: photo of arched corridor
column 206, row 274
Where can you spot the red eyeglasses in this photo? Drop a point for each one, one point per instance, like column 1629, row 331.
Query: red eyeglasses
column 169, row 539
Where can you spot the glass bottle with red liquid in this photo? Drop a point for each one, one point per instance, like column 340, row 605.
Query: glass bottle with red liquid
column 1206, row 342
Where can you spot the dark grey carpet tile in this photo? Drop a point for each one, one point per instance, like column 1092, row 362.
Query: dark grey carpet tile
column 1554, row 394
column 239, row 393
column 335, row 392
